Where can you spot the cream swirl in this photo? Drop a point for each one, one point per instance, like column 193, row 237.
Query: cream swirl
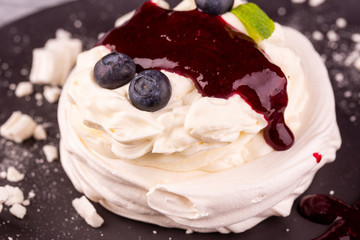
column 200, row 163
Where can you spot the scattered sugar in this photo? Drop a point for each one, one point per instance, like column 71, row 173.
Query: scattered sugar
column 339, row 77
column 287, row 230
column 154, row 232
column 348, row 94
column 353, row 119
column 341, row 22
column 24, row 72
column 315, row 3
column 281, row 11
column 357, row 63
column 355, row 37
column 318, row 36
column 77, row 24
column 332, row 192
column 332, row 36
column 12, row 86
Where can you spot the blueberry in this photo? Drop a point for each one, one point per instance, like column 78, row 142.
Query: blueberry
column 150, row 90
column 114, row 70
column 214, row 7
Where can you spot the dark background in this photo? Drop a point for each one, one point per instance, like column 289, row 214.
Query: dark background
column 51, row 216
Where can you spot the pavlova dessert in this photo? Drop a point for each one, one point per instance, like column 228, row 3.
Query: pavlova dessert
column 208, row 117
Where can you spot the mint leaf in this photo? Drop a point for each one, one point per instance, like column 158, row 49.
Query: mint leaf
column 258, row 25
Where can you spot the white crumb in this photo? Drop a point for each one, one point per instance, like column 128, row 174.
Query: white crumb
column 4, row 195
column 52, row 94
column 15, row 195
column 18, row 127
column 26, row 202
column 40, row 133
column 87, row 211
column 13, row 175
column 24, row 89
column 18, row 210
column 51, row 153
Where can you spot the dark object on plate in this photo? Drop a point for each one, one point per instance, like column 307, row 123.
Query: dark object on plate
column 344, row 219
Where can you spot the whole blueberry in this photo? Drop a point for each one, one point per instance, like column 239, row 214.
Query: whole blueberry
column 214, row 7
column 114, row 70
column 150, row 90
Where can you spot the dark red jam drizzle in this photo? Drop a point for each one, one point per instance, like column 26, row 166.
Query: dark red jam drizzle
column 344, row 219
column 220, row 60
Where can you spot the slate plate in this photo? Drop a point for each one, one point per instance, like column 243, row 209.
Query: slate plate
column 51, row 216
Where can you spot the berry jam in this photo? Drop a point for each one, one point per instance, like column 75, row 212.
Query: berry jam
column 344, row 219
column 220, row 60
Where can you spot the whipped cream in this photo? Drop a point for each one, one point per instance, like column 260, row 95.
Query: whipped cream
column 199, row 163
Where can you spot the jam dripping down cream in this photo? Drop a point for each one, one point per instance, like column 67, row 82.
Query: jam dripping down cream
column 220, row 60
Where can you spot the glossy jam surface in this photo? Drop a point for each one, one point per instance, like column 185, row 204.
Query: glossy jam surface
column 220, row 60
column 344, row 219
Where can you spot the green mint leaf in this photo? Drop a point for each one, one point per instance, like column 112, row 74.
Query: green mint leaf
column 258, row 25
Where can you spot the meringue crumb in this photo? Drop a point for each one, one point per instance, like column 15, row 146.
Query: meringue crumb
column 332, row 192
column 13, row 175
column 24, row 89
column 52, row 94
column 26, row 202
column 18, row 210
column 18, row 127
column 15, row 195
column 50, row 152
column 4, row 195
column 40, row 133
column 87, row 211
column 189, row 231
